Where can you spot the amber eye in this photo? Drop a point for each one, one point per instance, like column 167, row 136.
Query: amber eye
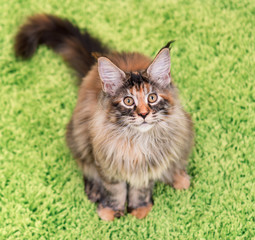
column 128, row 101
column 152, row 98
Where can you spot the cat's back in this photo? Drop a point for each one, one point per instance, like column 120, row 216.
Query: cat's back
column 130, row 62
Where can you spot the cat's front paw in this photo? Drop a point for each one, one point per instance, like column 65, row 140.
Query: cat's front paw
column 141, row 212
column 108, row 214
column 181, row 180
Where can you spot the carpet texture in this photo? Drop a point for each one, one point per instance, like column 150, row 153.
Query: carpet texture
column 213, row 64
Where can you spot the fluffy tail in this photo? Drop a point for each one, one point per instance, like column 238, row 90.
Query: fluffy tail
column 63, row 37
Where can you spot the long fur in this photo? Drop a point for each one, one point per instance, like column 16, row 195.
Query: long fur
column 63, row 37
column 101, row 133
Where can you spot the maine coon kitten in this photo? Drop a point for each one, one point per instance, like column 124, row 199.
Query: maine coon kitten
column 128, row 128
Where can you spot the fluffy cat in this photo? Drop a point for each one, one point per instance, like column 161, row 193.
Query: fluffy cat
column 128, row 128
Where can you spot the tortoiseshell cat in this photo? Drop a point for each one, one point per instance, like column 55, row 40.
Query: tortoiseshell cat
column 128, row 128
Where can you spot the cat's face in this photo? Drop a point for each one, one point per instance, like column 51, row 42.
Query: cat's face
column 140, row 103
column 138, row 99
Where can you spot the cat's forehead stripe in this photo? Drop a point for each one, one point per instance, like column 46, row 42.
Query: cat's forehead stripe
column 135, row 91
column 144, row 88
column 132, row 90
column 147, row 88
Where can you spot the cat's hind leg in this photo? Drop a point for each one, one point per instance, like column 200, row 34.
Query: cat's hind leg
column 93, row 189
column 177, row 178
column 181, row 180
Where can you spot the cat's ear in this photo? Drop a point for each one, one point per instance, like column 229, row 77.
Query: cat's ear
column 111, row 76
column 159, row 70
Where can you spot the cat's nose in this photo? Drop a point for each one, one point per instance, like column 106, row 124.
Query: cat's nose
column 143, row 115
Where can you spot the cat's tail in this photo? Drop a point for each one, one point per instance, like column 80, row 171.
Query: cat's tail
column 63, row 37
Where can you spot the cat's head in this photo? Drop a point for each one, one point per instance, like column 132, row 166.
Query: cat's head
column 139, row 99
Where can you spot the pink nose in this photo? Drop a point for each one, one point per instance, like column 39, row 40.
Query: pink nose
column 143, row 115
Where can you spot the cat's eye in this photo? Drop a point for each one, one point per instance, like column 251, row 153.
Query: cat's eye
column 129, row 101
column 152, row 98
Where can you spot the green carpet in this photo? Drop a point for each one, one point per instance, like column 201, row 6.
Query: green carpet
column 213, row 64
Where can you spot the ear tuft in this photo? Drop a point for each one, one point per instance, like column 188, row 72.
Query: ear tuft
column 111, row 76
column 159, row 70
column 168, row 45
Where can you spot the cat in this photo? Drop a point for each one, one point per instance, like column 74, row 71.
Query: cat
column 128, row 129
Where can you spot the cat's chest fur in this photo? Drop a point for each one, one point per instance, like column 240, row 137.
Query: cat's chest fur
column 132, row 156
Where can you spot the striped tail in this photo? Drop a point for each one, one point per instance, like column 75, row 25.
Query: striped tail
column 61, row 36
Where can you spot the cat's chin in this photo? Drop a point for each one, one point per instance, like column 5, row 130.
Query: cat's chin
column 145, row 127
